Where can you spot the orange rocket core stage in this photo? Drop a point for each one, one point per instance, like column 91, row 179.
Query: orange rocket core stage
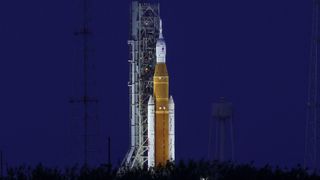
column 161, row 95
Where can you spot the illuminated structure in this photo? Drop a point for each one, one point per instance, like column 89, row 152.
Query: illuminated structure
column 148, row 122
column 160, row 112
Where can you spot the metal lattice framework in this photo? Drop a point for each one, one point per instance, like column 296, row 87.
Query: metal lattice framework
column 144, row 34
column 312, row 141
column 85, row 122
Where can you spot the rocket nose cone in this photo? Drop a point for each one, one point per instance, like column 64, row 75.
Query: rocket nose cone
column 171, row 100
column 151, row 101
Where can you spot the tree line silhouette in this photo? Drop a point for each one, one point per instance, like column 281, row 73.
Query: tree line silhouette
column 190, row 170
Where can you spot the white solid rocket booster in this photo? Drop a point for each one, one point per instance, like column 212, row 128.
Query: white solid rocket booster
column 171, row 130
column 151, row 135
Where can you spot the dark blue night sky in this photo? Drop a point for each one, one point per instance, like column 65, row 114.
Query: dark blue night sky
column 255, row 53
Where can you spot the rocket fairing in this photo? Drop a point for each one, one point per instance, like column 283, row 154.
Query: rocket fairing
column 161, row 117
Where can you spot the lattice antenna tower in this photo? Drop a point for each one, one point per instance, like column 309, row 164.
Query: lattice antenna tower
column 144, row 33
column 87, row 98
column 312, row 141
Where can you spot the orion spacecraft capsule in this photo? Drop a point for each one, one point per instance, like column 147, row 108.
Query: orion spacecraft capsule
column 160, row 112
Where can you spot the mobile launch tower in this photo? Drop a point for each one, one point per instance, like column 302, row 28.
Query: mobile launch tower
column 144, row 40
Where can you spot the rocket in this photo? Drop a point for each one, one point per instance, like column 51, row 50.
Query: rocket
column 161, row 135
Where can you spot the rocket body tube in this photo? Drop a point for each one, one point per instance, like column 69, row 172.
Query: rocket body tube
column 161, row 95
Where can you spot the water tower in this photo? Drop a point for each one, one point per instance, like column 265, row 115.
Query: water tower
column 222, row 116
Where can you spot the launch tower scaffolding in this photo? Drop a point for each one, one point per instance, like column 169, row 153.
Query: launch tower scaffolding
column 142, row 43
